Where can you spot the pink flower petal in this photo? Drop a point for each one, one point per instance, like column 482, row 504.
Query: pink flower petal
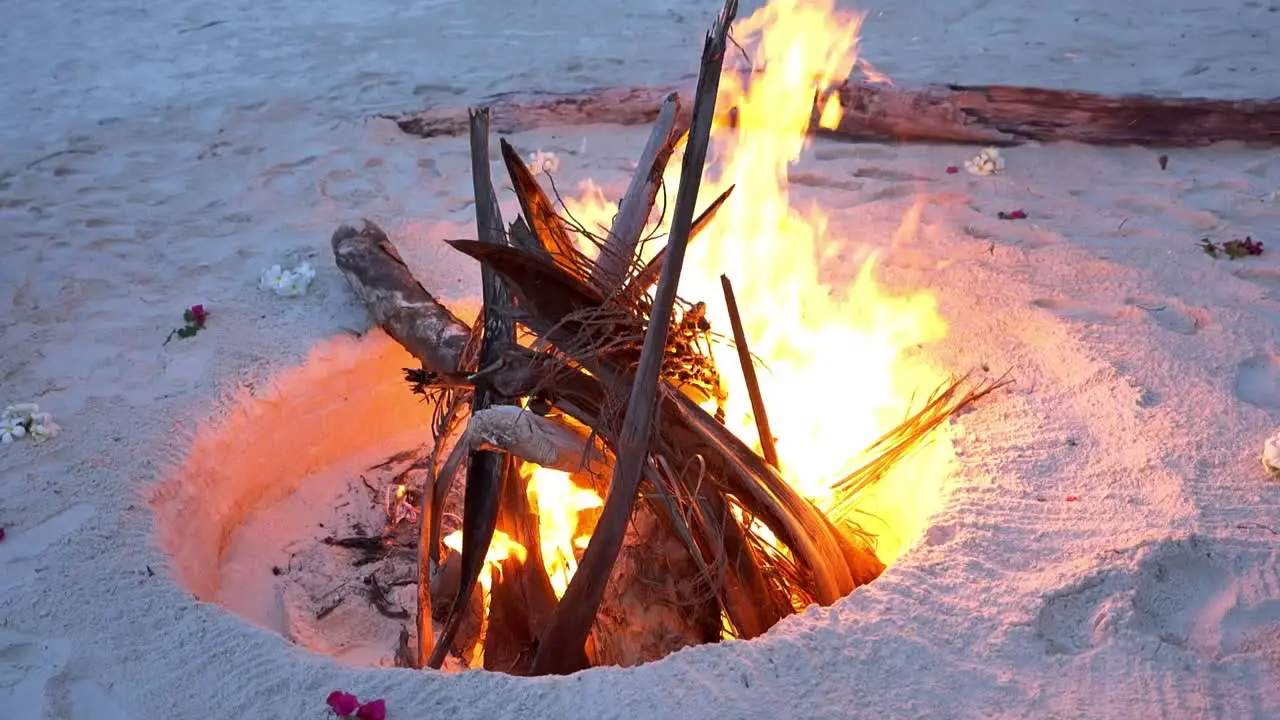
column 373, row 710
column 343, row 703
column 952, row 169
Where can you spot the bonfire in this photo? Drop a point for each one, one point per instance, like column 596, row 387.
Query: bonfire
column 666, row 423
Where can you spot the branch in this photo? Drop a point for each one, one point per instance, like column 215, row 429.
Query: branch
column 767, row 445
column 619, row 249
column 486, row 470
column 396, row 301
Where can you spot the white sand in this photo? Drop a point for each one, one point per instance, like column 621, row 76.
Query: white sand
column 192, row 158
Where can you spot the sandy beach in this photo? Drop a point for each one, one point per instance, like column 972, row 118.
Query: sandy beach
column 1108, row 545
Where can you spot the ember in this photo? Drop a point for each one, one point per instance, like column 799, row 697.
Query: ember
column 670, row 496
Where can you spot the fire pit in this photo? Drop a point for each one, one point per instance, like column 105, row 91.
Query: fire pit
column 634, row 484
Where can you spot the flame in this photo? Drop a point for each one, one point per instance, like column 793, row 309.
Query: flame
column 838, row 370
column 557, row 500
column 501, row 548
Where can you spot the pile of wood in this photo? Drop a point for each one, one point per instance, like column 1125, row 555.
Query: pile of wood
column 608, row 384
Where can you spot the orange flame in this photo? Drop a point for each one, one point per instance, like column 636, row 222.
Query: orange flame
column 558, row 501
column 501, row 548
column 837, row 371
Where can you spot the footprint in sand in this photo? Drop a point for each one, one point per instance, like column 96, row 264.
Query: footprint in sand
column 36, row 682
column 1266, row 278
column 1027, row 236
column 1183, row 592
column 843, row 151
column 1094, row 313
column 1258, row 381
column 21, row 550
column 822, row 180
column 1171, row 314
column 348, row 185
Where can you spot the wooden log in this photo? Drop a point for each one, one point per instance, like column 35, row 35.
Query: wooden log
column 619, row 249
column 395, row 299
column 976, row 114
column 537, row 439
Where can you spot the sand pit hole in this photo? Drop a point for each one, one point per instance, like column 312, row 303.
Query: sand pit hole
column 265, row 514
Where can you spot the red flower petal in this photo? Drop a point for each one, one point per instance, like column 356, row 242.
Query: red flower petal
column 1072, row 498
column 373, row 710
column 343, row 703
column 1018, row 215
column 952, row 169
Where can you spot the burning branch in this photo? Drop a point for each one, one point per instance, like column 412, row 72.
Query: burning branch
column 633, row 213
column 971, row 114
column 485, row 469
column 767, row 445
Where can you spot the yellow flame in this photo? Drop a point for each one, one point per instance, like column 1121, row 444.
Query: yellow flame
column 501, row 548
column 837, row 373
column 557, row 501
column 832, row 112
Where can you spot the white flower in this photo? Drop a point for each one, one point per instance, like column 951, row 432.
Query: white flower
column 305, row 270
column 22, row 412
column 1271, row 454
column 987, row 162
column 544, row 162
column 288, row 283
column 11, row 429
column 273, row 277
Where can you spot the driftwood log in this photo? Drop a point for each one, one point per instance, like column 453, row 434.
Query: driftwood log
column 978, row 114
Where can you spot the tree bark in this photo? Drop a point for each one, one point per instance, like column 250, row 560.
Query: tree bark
column 978, row 114
column 619, row 249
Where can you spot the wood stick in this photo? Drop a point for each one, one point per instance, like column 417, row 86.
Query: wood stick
column 978, row 114
column 619, row 249
column 486, row 469
column 767, row 445
column 562, row 648
column 537, row 439
column 648, row 275
column 396, row 300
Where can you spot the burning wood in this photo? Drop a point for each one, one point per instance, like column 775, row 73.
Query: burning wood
column 972, row 114
column 697, row 535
